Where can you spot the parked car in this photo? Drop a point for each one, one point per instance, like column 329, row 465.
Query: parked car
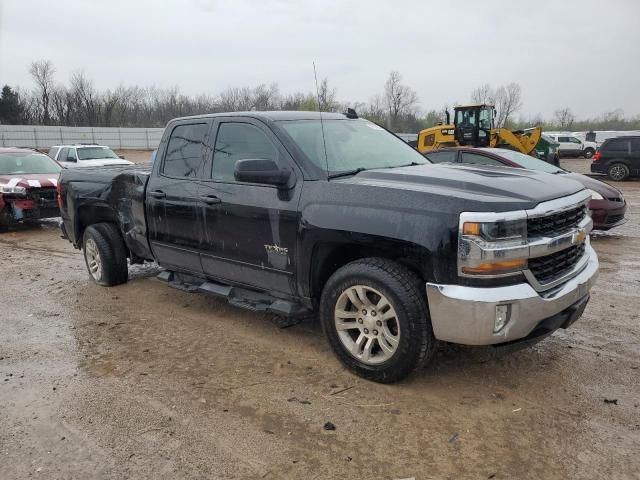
column 85, row 155
column 299, row 214
column 608, row 205
column 572, row 146
column 619, row 158
column 547, row 150
column 28, row 181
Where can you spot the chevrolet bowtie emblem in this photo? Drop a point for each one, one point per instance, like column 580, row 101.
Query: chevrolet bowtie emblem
column 580, row 235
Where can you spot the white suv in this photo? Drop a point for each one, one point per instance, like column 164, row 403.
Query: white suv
column 570, row 145
column 81, row 155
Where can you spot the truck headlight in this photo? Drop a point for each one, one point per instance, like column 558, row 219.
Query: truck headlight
column 505, row 231
column 15, row 190
column 483, row 248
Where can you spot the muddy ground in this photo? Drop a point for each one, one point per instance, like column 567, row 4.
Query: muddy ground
column 145, row 381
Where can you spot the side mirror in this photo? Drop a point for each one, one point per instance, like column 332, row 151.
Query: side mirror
column 122, row 157
column 261, row 170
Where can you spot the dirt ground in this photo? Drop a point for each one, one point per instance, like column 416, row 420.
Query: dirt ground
column 145, row 381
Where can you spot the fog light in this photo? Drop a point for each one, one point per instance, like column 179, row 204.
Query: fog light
column 503, row 314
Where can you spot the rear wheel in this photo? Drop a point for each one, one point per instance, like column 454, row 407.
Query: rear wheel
column 105, row 254
column 374, row 314
column 618, row 172
column 588, row 152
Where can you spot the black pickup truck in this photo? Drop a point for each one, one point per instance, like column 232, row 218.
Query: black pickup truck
column 298, row 214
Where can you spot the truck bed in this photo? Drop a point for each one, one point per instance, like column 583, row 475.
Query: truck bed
column 112, row 193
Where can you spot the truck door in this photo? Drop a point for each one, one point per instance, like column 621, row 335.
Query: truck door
column 173, row 204
column 250, row 230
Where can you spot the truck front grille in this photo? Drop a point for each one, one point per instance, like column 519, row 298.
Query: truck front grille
column 555, row 224
column 551, row 267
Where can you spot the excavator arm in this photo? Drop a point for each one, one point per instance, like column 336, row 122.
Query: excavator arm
column 518, row 140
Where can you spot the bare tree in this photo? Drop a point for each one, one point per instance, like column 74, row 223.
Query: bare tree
column 42, row 72
column 327, row 97
column 483, row 95
column 375, row 110
column 87, row 104
column 266, row 98
column 508, row 101
column 564, row 118
column 400, row 99
column 294, row 101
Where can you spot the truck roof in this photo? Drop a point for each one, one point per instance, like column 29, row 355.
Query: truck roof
column 274, row 115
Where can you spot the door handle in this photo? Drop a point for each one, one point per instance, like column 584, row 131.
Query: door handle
column 157, row 194
column 210, row 199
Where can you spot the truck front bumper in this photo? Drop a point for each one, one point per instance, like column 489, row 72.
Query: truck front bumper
column 467, row 315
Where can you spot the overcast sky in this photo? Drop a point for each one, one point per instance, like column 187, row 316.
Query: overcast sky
column 584, row 54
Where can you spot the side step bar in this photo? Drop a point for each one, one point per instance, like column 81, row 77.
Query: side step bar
column 237, row 296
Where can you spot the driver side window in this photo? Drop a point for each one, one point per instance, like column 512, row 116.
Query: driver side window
column 239, row 141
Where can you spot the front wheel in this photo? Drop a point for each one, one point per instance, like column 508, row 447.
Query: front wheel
column 589, row 152
column 374, row 314
column 105, row 254
column 618, row 172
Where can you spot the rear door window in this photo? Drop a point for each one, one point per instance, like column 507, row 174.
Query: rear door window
column 635, row 146
column 618, row 145
column 183, row 157
column 479, row 159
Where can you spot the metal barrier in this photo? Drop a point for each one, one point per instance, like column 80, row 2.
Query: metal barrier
column 36, row 136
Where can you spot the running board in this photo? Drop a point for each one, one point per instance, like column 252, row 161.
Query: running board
column 237, row 296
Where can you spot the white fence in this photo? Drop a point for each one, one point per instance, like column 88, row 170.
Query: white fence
column 44, row 137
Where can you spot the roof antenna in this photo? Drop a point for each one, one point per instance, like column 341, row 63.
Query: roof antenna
column 324, row 142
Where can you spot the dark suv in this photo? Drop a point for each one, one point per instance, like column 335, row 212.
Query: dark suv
column 618, row 157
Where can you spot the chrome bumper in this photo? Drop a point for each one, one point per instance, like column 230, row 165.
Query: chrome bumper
column 466, row 315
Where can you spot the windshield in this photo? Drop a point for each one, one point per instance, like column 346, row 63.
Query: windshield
column 350, row 145
column 24, row 164
column 95, row 153
column 526, row 161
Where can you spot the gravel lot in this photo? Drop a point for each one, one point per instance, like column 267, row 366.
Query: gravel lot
column 145, row 381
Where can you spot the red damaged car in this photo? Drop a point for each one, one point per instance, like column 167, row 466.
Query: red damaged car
column 28, row 181
column 607, row 205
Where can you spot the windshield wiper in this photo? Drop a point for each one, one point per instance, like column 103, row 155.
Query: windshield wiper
column 347, row 173
column 412, row 164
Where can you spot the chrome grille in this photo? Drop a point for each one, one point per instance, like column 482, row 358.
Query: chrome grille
column 555, row 224
column 551, row 267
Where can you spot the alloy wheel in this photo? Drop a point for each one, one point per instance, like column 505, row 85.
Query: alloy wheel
column 367, row 324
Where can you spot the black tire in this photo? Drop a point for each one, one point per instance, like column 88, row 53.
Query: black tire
column 406, row 294
column 618, row 172
column 588, row 152
column 106, row 241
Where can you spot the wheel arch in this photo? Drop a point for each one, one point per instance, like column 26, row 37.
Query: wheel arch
column 88, row 215
column 329, row 256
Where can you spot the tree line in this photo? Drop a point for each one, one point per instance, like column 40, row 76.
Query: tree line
column 80, row 103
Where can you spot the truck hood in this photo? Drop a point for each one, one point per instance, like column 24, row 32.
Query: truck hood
column 475, row 187
column 104, row 162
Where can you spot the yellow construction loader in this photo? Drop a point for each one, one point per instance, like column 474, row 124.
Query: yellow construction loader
column 473, row 125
